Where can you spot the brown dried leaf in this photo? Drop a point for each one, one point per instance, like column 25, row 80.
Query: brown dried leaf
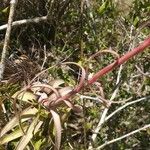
column 62, row 92
column 55, row 84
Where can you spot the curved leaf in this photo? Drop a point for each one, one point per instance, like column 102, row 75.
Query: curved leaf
column 25, row 96
column 25, row 115
column 33, row 128
column 56, row 83
column 57, row 124
column 12, row 136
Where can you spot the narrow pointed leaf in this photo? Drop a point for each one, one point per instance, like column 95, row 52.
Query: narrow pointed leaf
column 25, row 96
column 25, row 115
column 76, row 108
column 56, row 83
column 33, row 129
column 12, row 136
column 57, row 124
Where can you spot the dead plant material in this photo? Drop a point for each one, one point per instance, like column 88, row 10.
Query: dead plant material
column 21, row 69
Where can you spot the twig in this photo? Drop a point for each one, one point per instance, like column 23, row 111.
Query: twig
column 97, row 99
column 4, row 111
column 25, row 21
column 13, row 4
column 116, row 111
column 45, row 58
column 144, row 74
column 127, row 104
column 100, row 99
column 84, row 122
column 103, row 116
column 122, row 137
column 81, row 27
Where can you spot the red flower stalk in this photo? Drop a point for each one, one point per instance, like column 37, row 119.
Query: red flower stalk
column 110, row 67
column 121, row 60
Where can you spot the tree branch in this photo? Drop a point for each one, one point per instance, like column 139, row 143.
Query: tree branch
column 122, row 137
column 25, row 21
column 112, row 114
column 127, row 104
column 103, row 116
column 13, row 4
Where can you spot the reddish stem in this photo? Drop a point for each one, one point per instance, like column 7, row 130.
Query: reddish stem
column 102, row 72
column 121, row 60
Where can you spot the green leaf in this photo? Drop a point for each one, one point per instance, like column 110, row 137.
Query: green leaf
column 5, row 10
column 103, row 7
column 38, row 144
column 136, row 20
column 25, row 115
column 33, row 129
column 26, row 96
column 12, row 136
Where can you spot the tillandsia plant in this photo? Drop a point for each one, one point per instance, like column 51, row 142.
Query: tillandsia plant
column 43, row 101
column 39, row 97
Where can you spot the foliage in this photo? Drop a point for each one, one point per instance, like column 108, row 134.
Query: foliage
column 73, row 32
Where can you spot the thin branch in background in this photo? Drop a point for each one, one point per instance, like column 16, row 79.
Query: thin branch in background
column 127, row 104
column 25, row 21
column 4, row 111
column 81, row 28
column 63, row 9
column 13, row 4
column 100, row 99
column 143, row 73
column 84, row 123
column 45, row 58
column 122, row 137
column 113, row 113
column 103, row 116
column 96, row 99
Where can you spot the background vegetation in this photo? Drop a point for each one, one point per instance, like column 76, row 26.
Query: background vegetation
column 74, row 31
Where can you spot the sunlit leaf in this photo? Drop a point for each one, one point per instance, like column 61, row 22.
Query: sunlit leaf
column 65, row 90
column 136, row 21
column 25, row 115
column 38, row 143
column 12, row 136
column 56, row 83
column 103, row 7
column 26, row 96
column 62, row 92
column 33, row 129
column 5, row 10
column 57, row 124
